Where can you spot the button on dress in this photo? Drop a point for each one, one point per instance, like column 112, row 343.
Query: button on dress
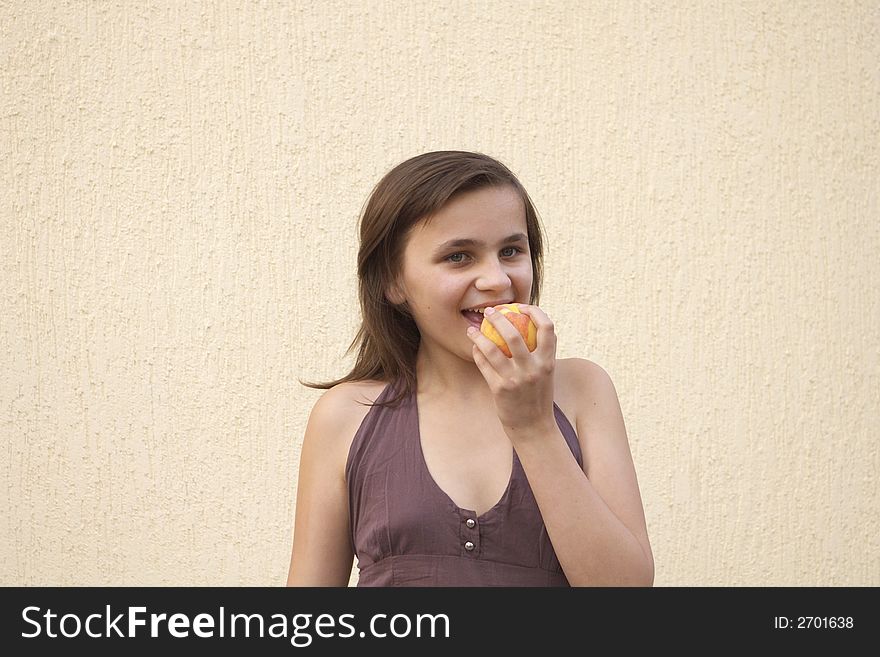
column 405, row 531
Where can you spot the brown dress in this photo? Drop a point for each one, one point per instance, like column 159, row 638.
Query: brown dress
column 406, row 531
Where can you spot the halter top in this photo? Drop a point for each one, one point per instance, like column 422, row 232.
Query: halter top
column 405, row 531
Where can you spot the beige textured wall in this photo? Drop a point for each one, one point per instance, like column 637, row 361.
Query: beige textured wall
column 179, row 186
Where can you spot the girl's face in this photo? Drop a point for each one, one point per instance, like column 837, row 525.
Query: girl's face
column 471, row 254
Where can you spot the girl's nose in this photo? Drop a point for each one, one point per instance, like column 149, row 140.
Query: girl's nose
column 493, row 276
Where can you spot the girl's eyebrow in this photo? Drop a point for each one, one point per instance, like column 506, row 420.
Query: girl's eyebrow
column 516, row 237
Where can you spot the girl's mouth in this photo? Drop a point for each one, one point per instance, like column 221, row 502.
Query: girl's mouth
column 475, row 319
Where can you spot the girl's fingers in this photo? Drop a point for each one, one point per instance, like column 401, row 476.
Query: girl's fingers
column 545, row 326
column 483, row 365
column 539, row 317
column 488, row 350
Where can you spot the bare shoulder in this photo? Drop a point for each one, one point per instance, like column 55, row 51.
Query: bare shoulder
column 338, row 413
column 581, row 386
column 588, row 391
column 349, row 397
column 346, row 404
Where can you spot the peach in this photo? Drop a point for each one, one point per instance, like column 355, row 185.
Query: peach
column 521, row 321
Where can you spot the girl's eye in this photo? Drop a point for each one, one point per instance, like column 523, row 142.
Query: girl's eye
column 506, row 252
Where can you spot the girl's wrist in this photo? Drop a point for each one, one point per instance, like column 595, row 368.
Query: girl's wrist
column 535, row 430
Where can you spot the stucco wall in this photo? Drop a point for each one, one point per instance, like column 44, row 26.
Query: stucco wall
column 179, row 189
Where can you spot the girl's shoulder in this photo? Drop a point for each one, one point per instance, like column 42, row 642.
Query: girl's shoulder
column 351, row 398
column 339, row 411
column 575, row 378
column 353, row 392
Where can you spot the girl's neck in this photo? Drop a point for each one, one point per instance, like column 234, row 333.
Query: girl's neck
column 446, row 375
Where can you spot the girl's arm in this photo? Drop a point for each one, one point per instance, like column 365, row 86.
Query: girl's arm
column 594, row 515
column 322, row 553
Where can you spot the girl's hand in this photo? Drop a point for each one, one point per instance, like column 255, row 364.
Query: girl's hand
column 522, row 385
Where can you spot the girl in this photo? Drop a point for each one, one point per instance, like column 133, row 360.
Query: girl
column 438, row 460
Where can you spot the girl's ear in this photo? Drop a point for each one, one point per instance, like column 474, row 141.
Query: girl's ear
column 395, row 294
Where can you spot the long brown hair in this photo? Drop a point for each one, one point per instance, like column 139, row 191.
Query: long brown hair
column 388, row 340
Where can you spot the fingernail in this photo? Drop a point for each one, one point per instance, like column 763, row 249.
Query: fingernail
column 489, row 311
